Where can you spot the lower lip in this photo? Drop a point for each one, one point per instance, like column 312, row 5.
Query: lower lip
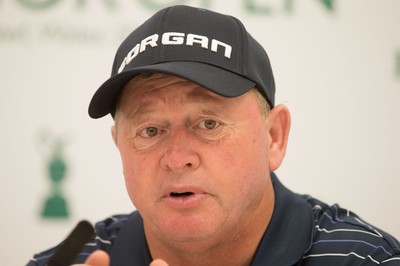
column 191, row 201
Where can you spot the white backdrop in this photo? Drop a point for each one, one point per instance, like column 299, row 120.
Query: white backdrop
column 337, row 70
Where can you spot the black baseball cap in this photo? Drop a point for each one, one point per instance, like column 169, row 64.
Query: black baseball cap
column 210, row 49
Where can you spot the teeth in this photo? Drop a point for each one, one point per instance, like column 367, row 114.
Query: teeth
column 181, row 194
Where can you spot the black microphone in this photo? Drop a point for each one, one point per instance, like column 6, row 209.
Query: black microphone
column 72, row 245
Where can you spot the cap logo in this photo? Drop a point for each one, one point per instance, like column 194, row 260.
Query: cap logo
column 175, row 38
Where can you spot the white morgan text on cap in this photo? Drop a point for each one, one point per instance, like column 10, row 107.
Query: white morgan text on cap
column 175, row 38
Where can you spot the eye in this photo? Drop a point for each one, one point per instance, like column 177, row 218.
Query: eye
column 208, row 124
column 149, row 132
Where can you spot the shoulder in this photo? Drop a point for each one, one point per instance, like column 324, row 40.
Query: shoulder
column 106, row 233
column 341, row 237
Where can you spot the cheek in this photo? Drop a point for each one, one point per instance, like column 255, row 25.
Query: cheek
column 130, row 171
column 137, row 177
column 243, row 162
column 249, row 151
column 256, row 157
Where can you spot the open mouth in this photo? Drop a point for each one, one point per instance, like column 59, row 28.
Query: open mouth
column 181, row 194
column 185, row 198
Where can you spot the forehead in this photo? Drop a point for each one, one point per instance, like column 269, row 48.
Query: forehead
column 147, row 89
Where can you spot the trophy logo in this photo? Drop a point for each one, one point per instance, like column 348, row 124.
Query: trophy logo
column 55, row 205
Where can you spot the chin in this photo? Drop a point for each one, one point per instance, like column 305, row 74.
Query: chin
column 189, row 229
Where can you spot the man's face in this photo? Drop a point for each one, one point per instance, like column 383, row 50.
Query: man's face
column 195, row 163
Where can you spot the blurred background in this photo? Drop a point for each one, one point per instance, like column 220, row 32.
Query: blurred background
column 336, row 65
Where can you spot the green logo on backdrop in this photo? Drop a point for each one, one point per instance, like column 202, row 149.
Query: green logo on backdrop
column 288, row 6
column 251, row 6
column 55, row 205
column 42, row 4
column 46, row 4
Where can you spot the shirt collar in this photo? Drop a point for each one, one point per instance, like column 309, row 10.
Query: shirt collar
column 289, row 233
column 130, row 248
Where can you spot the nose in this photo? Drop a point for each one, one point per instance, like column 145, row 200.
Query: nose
column 181, row 154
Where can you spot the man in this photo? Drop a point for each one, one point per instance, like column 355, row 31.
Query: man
column 192, row 96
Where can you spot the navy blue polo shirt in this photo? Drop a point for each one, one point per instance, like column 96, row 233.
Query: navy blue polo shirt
column 302, row 231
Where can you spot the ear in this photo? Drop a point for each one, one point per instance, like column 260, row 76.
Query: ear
column 114, row 133
column 278, row 129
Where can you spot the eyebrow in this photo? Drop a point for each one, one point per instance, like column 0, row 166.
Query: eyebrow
column 143, row 113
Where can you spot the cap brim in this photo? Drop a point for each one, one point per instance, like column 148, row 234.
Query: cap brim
column 213, row 78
